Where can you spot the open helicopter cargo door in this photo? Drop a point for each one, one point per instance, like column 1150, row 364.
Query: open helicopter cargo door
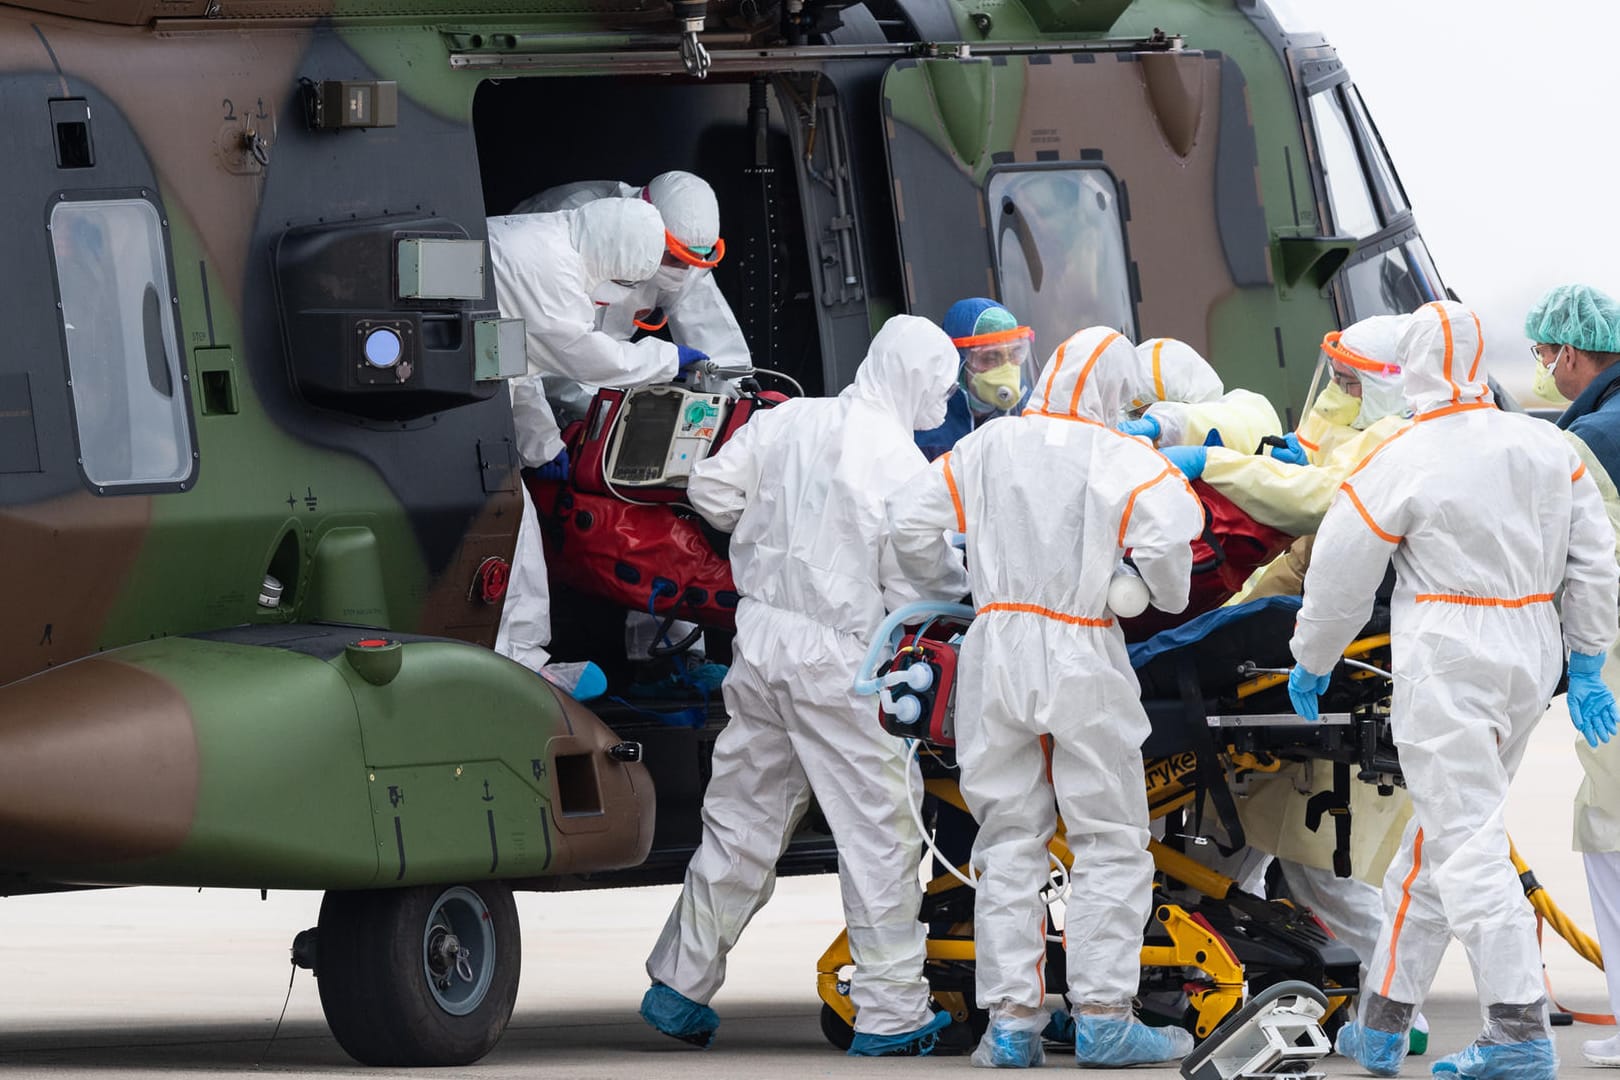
column 1112, row 188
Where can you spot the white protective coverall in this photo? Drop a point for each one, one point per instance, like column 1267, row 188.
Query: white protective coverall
column 1188, row 400
column 547, row 268
column 1486, row 515
column 1336, row 434
column 801, row 488
column 1050, row 501
column 698, row 314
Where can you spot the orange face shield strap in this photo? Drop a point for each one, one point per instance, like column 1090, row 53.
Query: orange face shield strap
column 999, row 337
column 1335, row 348
column 692, row 258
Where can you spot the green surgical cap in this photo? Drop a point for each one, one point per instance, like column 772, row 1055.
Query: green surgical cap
column 1577, row 315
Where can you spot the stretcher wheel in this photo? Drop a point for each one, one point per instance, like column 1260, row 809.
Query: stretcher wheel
column 834, row 1029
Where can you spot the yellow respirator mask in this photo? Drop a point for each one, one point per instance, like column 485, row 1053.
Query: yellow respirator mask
column 1337, row 407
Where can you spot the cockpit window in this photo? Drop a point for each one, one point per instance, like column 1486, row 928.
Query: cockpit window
column 128, row 394
column 1349, row 199
column 1059, row 244
column 1394, row 282
column 1391, row 196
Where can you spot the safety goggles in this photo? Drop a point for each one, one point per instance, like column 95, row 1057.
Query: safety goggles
column 986, row 352
column 1541, row 358
column 704, row 258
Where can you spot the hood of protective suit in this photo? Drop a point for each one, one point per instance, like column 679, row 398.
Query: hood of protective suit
column 617, row 240
column 1091, row 376
column 909, row 372
column 1369, row 346
column 1441, row 351
column 1178, row 373
column 687, row 203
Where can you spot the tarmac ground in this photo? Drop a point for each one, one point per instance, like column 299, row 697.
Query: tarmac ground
column 133, row 982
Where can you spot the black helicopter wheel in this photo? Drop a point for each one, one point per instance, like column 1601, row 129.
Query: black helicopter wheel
column 419, row 976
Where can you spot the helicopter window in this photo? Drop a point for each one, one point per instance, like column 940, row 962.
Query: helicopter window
column 1391, row 196
column 1348, row 197
column 1393, row 282
column 121, row 343
column 1059, row 246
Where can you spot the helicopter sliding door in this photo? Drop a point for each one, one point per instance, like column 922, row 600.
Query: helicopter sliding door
column 1107, row 188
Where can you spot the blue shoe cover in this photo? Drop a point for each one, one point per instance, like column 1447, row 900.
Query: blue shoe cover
column 1379, row 1052
column 707, row 677
column 1532, row 1060
column 1060, row 1029
column 678, row 1016
column 592, row 683
column 1109, row 1041
column 919, row 1043
column 1008, row 1047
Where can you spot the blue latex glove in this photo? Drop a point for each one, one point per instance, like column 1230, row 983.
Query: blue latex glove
column 1145, row 426
column 1214, row 438
column 1189, row 459
column 1304, row 689
column 689, row 356
column 1591, row 705
column 556, row 468
column 1293, row 453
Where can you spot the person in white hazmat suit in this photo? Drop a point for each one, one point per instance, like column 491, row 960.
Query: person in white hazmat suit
column 1360, row 407
column 552, row 271
column 1187, row 402
column 1486, row 515
column 682, row 291
column 681, row 294
column 1050, row 501
column 801, row 490
column 1188, row 405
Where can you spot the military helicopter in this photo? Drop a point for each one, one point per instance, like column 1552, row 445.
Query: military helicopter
column 258, row 486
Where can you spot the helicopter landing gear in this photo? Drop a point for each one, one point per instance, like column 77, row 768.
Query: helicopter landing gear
column 419, row 976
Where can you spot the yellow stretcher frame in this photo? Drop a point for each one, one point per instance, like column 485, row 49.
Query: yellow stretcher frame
column 1192, row 943
column 1170, row 788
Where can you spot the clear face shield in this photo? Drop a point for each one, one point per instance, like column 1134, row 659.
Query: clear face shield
column 1356, row 391
column 998, row 369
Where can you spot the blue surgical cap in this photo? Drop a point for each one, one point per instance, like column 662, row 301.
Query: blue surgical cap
column 975, row 316
column 1576, row 315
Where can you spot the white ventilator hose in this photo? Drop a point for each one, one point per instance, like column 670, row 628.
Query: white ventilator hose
column 1061, row 872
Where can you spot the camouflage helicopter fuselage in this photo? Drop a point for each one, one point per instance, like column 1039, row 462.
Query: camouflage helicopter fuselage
column 195, row 256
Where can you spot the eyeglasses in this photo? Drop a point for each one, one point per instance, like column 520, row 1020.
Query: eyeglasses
column 1535, row 351
column 1344, row 380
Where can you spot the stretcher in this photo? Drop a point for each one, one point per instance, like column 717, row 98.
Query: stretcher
column 1214, row 690
column 1235, row 968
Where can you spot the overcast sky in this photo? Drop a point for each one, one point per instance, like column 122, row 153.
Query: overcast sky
column 1504, row 122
